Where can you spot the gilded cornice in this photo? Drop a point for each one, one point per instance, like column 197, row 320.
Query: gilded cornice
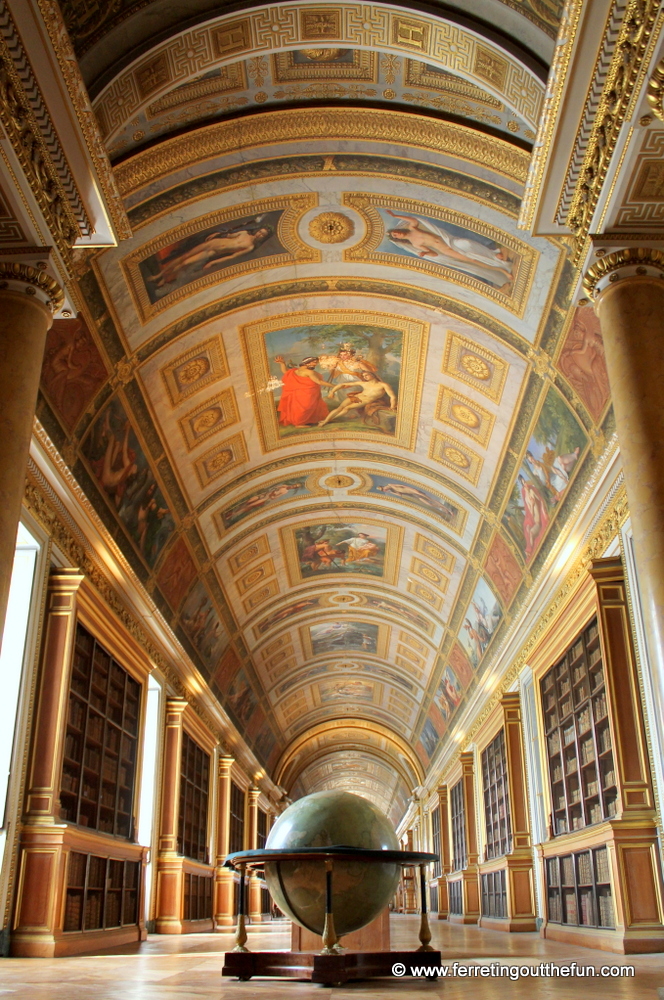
column 628, row 53
column 656, row 90
column 78, row 96
column 32, row 152
column 394, row 128
column 552, row 98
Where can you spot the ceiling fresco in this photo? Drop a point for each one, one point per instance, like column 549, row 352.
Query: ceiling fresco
column 329, row 400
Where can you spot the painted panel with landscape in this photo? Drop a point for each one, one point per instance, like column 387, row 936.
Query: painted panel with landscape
column 549, row 465
column 481, row 621
column 336, row 637
column 119, row 464
column 200, row 621
column 325, row 549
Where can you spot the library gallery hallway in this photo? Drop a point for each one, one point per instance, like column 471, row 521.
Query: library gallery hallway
column 179, row 968
column 331, row 470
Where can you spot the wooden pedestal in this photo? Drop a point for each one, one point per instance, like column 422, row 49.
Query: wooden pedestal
column 374, row 937
column 327, row 969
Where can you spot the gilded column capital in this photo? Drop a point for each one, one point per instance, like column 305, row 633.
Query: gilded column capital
column 631, row 262
column 656, row 90
column 16, row 276
column 254, row 794
column 224, row 764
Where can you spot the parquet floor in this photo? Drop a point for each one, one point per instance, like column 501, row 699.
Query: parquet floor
column 179, row 968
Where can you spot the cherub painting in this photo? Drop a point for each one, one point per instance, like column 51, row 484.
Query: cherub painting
column 551, row 458
column 450, row 246
column 210, row 250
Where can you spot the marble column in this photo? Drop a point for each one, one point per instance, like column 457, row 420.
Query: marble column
column 628, row 289
column 28, row 298
column 169, row 906
column 42, row 833
column 223, row 877
column 254, row 882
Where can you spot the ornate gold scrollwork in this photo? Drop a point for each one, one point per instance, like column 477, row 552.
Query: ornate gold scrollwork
column 628, row 55
column 639, row 261
column 29, row 146
column 35, row 280
column 656, row 90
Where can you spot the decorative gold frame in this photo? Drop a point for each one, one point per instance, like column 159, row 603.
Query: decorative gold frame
column 423, row 76
column 433, row 577
column 442, row 556
column 366, row 250
column 312, row 483
column 218, row 369
column 270, row 589
column 204, row 470
column 225, row 400
column 365, row 490
column 364, row 67
column 294, row 206
column 415, row 335
column 382, row 643
column 425, row 595
column 391, row 562
column 447, row 399
column 442, row 443
column 454, row 344
column 264, row 570
column 254, row 550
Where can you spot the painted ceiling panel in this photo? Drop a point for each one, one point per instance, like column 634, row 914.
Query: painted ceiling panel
column 345, row 412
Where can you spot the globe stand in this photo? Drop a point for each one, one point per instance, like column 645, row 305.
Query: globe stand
column 333, row 965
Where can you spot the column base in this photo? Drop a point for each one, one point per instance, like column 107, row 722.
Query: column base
column 170, row 878
column 224, row 899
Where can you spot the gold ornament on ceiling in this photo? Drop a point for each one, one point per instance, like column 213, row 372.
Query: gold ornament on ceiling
column 322, row 55
column 475, row 366
column 331, row 227
column 465, row 415
column 337, row 482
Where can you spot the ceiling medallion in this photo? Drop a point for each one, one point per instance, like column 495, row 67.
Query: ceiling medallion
column 475, row 366
column 456, row 457
column 465, row 415
column 331, row 227
column 322, row 55
column 337, row 482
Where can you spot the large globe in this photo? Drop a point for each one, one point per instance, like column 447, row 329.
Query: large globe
column 360, row 889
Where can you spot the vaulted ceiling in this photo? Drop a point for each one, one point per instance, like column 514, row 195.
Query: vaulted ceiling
column 341, row 184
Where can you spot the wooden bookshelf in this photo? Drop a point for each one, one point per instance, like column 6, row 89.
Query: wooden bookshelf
column 236, row 825
column 436, row 842
column 194, row 794
column 494, row 894
column 496, row 798
column 261, row 829
column 101, row 893
column 458, row 819
column 578, row 737
column 197, row 896
column 579, row 889
column 99, row 764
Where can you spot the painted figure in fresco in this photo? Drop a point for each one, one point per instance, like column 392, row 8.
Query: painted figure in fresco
column 423, row 239
column 371, row 398
column 301, row 401
column 583, row 363
column 118, row 464
column 536, row 519
column 475, row 640
column 258, row 500
column 361, row 548
column 503, row 569
column 407, row 492
column 220, row 246
column 347, row 363
column 552, row 470
column 73, row 369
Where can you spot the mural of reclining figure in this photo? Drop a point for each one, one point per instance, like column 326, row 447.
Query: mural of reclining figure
column 371, row 397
